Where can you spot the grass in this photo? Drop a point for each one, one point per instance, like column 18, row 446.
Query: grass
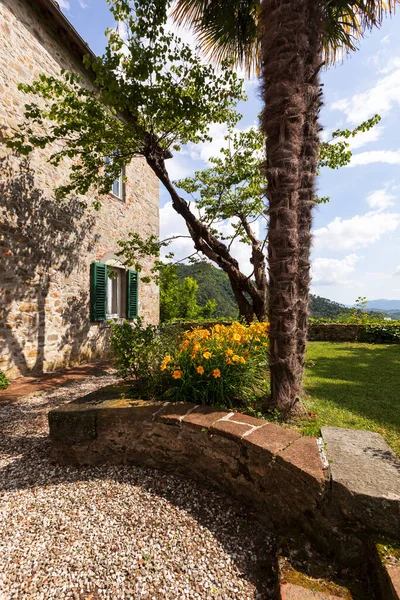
column 355, row 386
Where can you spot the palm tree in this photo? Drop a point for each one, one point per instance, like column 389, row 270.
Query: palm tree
column 287, row 42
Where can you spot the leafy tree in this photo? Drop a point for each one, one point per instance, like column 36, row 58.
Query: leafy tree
column 213, row 285
column 150, row 95
column 178, row 298
column 288, row 41
column 233, row 189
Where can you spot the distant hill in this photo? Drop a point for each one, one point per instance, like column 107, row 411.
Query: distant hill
column 322, row 308
column 214, row 284
column 385, row 305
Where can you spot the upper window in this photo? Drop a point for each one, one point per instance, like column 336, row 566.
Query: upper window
column 117, row 188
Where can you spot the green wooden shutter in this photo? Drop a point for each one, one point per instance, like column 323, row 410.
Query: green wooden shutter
column 132, row 294
column 98, row 292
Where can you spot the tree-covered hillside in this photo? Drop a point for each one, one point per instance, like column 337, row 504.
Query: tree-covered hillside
column 214, row 284
column 322, row 308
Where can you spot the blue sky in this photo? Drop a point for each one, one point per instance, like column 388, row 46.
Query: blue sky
column 356, row 248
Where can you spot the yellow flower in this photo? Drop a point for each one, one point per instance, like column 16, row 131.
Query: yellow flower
column 237, row 337
column 229, row 352
column 164, row 363
column 242, row 360
column 228, row 361
column 235, row 358
column 177, row 374
column 200, row 370
column 207, row 355
column 217, row 373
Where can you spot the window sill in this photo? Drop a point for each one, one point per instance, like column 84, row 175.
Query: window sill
column 120, row 198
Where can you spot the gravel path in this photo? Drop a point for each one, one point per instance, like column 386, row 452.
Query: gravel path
column 116, row 532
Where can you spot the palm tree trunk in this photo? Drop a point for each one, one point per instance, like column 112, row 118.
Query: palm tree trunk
column 310, row 154
column 286, row 53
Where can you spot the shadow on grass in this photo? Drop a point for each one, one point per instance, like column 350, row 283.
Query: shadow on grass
column 363, row 380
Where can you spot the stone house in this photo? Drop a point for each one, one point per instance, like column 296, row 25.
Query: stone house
column 55, row 256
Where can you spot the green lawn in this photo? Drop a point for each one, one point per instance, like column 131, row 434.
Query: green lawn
column 355, row 386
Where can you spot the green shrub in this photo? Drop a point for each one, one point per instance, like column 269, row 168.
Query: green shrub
column 138, row 351
column 380, row 333
column 4, row 381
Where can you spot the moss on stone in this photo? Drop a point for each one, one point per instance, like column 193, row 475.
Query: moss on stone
column 388, row 550
column 291, row 575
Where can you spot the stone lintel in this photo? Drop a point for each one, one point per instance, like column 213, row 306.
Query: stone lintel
column 304, row 459
column 173, row 413
column 270, row 437
column 229, row 429
column 247, row 419
column 203, row 417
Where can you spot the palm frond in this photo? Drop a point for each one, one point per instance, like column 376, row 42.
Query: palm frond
column 227, row 29
column 346, row 22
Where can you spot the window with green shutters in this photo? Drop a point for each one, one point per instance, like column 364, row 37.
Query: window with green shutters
column 113, row 296
column 132, row 294
column 98, row 292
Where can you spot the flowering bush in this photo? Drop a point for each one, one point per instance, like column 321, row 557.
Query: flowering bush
column 223, row 365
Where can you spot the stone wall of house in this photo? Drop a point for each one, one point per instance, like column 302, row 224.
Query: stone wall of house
column 47, row 246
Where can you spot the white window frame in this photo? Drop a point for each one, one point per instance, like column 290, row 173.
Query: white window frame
column 119, row 181
column 115, row 283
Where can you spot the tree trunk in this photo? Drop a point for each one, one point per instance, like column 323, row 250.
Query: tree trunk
column 309, row 159
column 286, row 91
column 249, row 296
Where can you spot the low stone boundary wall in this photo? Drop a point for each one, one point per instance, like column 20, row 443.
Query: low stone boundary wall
column 274, row 468
column 282, row 476
column 333, row 332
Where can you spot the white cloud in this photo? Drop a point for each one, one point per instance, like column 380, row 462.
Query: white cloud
column 358, row 232
column 83, row 4
column 385, row 39
column 64, row 4
column 179, row 167
column 391, row 157
column 331, row 271
column 380, row 99
column 205, row 150
column 397, row 271
column 380, row 199
column 173, row 224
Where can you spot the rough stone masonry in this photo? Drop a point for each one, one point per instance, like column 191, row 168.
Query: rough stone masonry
column 46, row 247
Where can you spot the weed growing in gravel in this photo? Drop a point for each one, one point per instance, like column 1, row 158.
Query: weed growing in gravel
column 4, row 381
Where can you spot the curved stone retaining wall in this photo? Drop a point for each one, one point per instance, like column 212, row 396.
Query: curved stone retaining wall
column 282, row 476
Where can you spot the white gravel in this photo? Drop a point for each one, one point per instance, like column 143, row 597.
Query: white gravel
column 116, row 532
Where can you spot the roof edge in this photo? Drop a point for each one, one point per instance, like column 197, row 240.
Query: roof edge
column 53, row 12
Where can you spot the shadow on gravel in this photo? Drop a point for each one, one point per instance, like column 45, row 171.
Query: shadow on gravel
column 250, row 546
